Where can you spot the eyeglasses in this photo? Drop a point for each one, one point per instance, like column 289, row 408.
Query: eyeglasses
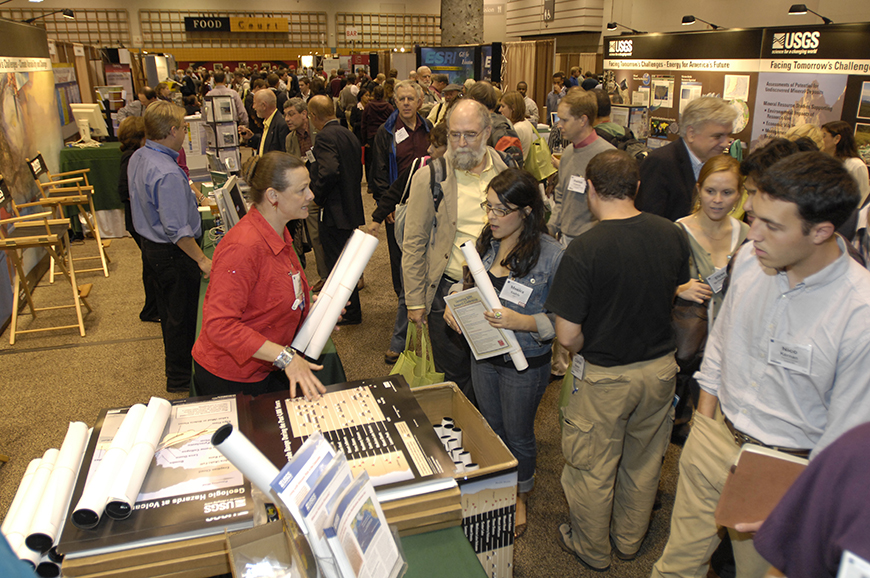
column 487, row 208
column 469, row 136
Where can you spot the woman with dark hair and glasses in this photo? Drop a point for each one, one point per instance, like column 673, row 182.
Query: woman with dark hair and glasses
column 257, row 296
column 521, row 259
column 839, row 142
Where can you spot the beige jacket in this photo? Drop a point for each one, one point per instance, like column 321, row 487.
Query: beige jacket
column 429, row 235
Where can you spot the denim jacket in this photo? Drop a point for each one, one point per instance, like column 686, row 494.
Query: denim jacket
column 539, row 279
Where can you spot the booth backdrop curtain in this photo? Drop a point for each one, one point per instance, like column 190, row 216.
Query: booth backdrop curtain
column 530, row 62
column 588, row 62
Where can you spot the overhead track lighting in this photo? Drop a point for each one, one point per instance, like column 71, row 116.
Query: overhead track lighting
column 799, row 9
column 689, row 20
column 613, row 26
column 67, row 13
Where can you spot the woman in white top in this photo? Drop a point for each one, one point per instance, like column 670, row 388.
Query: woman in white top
column 713, row 234
column 840, row 143
column 513, row 107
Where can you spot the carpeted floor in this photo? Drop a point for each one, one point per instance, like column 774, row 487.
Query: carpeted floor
column 50, row 379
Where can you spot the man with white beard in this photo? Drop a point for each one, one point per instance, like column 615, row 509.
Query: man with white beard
column 430, row 266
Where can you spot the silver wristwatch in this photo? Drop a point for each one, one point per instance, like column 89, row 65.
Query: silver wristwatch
column 284, row 358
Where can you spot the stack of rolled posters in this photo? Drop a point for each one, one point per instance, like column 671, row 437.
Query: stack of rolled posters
column 451, row 438
column 125, row 488
column 481, row 279
column 95, row 495
column 17, row 521
column 47, row 521
column 245, row 456
column 342, row 280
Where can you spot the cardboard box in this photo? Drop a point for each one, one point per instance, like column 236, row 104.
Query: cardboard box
column 419, row 514
column 258, row 543
column 489, row 494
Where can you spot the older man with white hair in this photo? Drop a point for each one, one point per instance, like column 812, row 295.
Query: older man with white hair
column 668, row 175
column 431, row 265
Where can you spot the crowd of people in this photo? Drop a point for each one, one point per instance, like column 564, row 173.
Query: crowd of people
column 768, row 248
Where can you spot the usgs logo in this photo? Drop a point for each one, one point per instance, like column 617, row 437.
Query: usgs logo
column 796, row 42
column 620, row 47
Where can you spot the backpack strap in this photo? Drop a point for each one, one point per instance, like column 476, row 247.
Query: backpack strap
column 437, row 174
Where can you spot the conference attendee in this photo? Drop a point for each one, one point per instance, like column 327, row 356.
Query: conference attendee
column 518, row 253
column 431, row 256
column 164, row 92
column 401, row 139
column 424, row 79
column 131, row 134
column 439, row 112
column 571, row 214
column 668, row 175
column 612, row 297
column 166, row 217
column 531, row 105
column 374, row 114
column 336, row 177
column 136, row 107
column 275, row 128
column 754, row 166
column 257, row 297
column 808, row 130
column 839, row 142
column 299, row 144
column 573, row 77
column 272, row 81
column 513, row 108
column 786, row 364
column 503, row 137
column 188, row 83
column 823, row 514
column 354, row 118
column 439, row 81
column 714, row 236
column 221, row 89
column 555, row 95
column 604, row 126
column 590, row 83
column 336, row 83
column 305, row 88
column 347, row 98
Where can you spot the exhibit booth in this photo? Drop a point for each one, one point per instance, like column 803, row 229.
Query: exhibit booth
column 777, row 78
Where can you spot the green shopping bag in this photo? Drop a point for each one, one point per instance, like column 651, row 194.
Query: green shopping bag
column 415, row 369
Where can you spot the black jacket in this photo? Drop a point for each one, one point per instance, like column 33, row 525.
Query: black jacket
column 667, row 182
column 336, row 177
column 277, row 135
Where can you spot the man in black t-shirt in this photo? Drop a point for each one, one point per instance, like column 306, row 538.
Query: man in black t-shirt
column 612, row 295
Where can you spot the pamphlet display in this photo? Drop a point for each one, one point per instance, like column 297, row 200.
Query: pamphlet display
column 222, row 132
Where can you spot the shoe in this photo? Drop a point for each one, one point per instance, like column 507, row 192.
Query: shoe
column 318, row 286
column 391, row 357
column 565, row 534
column 149, row 319
column 344, row 322
column 178, row 388
column 361, row 284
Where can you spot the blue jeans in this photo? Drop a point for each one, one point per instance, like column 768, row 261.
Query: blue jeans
column 509, row 401
column 400, row 327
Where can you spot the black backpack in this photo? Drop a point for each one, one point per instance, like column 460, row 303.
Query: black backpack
column 626, row 143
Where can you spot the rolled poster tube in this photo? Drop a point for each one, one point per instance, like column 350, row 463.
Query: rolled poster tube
column 47, row 520
column 17, row 529
column 481, row 279
column 19, row 495
column 347, row 281
column 125, row 488
column 245, row 456
column 315, row 316
column 95, row 496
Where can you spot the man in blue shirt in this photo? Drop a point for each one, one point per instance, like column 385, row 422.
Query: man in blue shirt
column 166, row 217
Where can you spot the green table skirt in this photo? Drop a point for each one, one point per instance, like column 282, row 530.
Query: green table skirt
column 105, row 164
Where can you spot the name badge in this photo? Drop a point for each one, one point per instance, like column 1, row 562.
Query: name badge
column 515, row 293
column 578, row 368
column 401, row 135
column 795, row 357
column 717, row 280
column 297, row 291
column 577, row 185
column 309, row 155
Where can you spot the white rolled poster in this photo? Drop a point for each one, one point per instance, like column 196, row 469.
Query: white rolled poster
column 47, row 520
column 125, row 488
column 95, row 496
column 318, row 326
column 245, row 456
column 481, row 280
column 5, row 528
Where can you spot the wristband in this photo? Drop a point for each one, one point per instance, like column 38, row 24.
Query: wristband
column 284, row 358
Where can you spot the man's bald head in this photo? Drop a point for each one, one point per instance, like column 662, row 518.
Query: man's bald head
column 321, row 109
column 265, row 103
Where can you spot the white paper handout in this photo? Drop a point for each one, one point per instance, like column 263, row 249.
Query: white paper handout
column 485, row 340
